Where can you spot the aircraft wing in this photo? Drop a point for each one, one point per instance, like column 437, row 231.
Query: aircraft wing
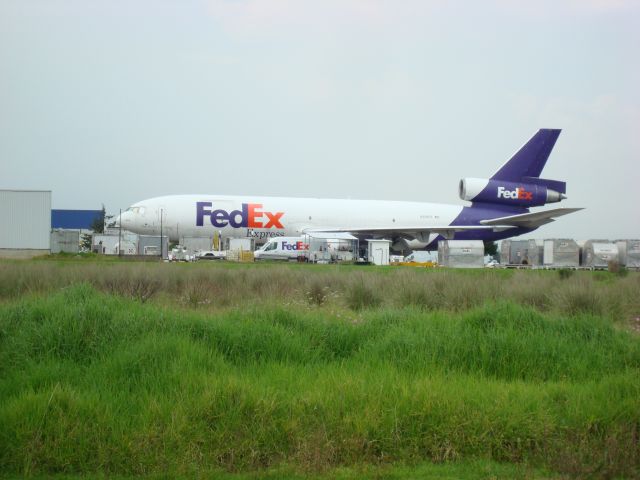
column 412, row 231
column 422, row 232
column 530, row 220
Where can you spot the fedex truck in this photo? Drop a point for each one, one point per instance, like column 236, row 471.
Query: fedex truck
column 283, row 248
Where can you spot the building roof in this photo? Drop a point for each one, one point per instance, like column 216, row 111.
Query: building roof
column 74, row 219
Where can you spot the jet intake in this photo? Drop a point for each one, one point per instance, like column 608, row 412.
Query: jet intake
column 502, row 192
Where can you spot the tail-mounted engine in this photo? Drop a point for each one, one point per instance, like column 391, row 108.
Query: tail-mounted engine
column 531, row 192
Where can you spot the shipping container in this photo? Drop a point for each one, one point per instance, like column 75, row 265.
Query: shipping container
column 561, row 252
column 519, row 252
column 461, row 253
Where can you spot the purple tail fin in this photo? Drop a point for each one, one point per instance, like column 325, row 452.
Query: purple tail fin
column 530, row 159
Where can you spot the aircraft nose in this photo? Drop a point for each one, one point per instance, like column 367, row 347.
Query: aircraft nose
column 123, row 219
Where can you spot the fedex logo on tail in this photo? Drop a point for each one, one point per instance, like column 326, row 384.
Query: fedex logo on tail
column 518, row 194
column 250, row 216
column 294, row 246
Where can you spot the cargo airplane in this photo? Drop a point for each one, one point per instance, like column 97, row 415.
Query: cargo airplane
column 499, row 209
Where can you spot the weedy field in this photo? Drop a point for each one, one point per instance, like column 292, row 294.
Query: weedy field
column 265, row 371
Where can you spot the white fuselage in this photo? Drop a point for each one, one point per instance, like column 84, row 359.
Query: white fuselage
column 178, row 216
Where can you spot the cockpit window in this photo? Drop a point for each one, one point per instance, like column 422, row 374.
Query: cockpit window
column 137, row 210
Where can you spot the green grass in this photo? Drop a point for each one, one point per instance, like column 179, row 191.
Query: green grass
column 393, row 373
column 481, row 469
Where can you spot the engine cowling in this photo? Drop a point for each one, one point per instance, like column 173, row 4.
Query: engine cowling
column 503, row 192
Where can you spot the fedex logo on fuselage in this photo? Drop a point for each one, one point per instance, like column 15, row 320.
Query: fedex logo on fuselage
column 294, row 246
column 518, row 194
column 250, row 216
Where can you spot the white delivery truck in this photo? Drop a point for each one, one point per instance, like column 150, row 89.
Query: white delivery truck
column 283, row 248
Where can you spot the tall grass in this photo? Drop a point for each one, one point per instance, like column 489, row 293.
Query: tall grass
column 214, row 287
column 99, row 383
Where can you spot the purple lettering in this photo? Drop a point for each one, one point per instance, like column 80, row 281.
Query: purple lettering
column 219, row 218
column 233, row 217
column 201, row 212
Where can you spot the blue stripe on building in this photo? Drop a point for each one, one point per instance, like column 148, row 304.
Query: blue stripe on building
column 74, row 219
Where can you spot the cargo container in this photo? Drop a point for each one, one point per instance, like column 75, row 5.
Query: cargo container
column 115, row 242
column 561, row 252
column 519, row 252
column 197, row 244
column 629, row 253
column 598, row 253
column 150, row 245
column 461, row 253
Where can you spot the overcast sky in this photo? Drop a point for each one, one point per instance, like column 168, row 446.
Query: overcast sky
column 117, row 101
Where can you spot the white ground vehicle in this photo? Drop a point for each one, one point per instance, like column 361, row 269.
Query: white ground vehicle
column 283, row 248
column 492, row 264
column 180, row 253
column 210, row 255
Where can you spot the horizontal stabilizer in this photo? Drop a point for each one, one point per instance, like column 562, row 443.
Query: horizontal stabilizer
column 530, row 220
column 557, row 185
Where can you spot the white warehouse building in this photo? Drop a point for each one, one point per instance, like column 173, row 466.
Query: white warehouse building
column 25, row 223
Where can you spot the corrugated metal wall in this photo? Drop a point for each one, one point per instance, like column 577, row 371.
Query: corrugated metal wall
column 25, row 219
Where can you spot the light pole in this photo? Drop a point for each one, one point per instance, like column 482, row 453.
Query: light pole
column 161, row 238
column 120, row 234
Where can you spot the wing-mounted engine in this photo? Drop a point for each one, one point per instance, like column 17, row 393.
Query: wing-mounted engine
column 530, row 192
